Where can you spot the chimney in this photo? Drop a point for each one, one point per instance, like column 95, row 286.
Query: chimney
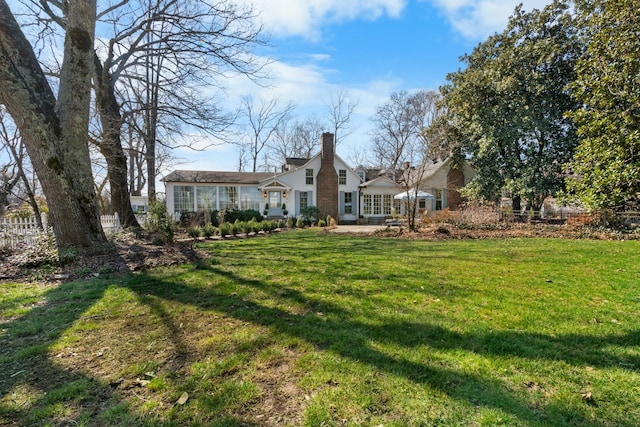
column 327, row 180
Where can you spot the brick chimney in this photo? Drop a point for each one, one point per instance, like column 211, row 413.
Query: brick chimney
column 327, row 180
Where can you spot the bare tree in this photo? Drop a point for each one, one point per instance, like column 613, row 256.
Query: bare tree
column 261, row 121
column 9, row 169
column 403, row 143
column 296, row 139
column 396, row 129
column 339, row 110
column 161, row 55
column 54, row 129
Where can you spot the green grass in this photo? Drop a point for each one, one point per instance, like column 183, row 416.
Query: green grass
column 305, row 328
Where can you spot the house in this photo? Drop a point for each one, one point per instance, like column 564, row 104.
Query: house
column 441, row 179
column 324, row 181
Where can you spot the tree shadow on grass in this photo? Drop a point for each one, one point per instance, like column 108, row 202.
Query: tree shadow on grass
column 332, row 328
column 37, row 390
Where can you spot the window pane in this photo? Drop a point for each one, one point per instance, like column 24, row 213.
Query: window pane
column 438, row 200
column 249, row 198
column 348, row 203
column 366, row 200
column 206, row 198
column 304, row 200
column 182, row 198
column 309, row 176
column 342, row 177
column 377, row 204
column 228, row 197
column 386, row 205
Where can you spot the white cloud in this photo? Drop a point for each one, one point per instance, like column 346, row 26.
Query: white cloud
column 306, row 18
column 477, row 19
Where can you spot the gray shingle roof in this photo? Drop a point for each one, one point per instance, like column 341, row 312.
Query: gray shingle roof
column 217, row 177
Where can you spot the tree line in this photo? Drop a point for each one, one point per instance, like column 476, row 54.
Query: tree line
column 551, row 106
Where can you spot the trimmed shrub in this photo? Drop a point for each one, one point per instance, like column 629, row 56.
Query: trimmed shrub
column 226, row 229
column 194, row 232
column 208, row 230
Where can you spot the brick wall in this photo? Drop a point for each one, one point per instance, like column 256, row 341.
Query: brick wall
column 327, row 180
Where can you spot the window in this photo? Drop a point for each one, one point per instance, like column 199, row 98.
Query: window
column 250, row 198
column 309, row 176
column 438, row 200
column 366, row 204
column 228, row 197
column 422, row 203
column 377, row 204
column 304, row 200
column 387, row 204
column 205, row 198
column 342, row 177
column 183, row 198
column 348, row 203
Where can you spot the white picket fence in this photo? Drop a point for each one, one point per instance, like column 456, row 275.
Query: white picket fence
column 19, row 232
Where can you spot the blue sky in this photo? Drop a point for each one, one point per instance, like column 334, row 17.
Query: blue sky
column 366, row 49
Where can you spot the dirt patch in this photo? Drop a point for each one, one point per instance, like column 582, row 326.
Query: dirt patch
column 132, row 253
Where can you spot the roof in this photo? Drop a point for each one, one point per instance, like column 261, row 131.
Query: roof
column 296, row 161
column 217, row 177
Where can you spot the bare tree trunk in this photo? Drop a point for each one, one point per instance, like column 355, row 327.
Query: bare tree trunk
column 55, row 133
column 110, row 146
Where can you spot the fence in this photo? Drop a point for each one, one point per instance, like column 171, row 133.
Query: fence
column 18, row 232
column 570, row 216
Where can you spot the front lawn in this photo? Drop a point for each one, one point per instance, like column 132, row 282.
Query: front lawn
column 307, row 328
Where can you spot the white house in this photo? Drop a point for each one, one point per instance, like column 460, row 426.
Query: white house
column 440, row 179
column 324, row 181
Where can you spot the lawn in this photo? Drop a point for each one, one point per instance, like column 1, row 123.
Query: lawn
column 307, row 328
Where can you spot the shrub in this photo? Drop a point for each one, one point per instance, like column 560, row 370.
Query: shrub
column 290, row 222
column 159, row 221
column 191, row 219
column 226, row 228
column 309, row 214
column 322, row 223
column 300, row 222
column 208, row 230
column 194, row 232
column 280, row 224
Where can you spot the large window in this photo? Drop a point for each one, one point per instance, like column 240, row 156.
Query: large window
column 366, row 204
column 304, row 200
column 205, row 198
column 377, row 204
column 387, row 201
column 249, row 198
column 183, row 198
column 228, row 197
column 342, row 177
column 348, row 203
column 309, row 176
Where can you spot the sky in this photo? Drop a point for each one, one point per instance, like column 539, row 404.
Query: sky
column 366, row 49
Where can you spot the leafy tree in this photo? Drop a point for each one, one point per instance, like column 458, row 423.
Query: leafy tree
column 606, row 168
column 507, row 107
column 54, row 129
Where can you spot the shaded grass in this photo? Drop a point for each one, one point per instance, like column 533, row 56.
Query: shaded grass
column 310, row 329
